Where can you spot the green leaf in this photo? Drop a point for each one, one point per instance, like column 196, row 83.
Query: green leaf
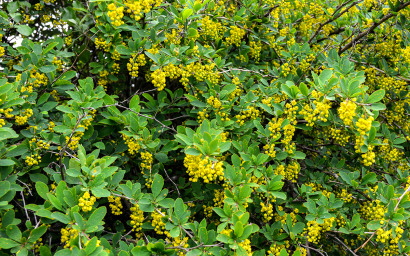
column 134, row 103
column 12, row 7
column 121, row 49
column 157, row 185
column 47, row 69
column 140, row 251
column 376, row 96
column 6, row 243
column 7, row 133
column 4, row 187
column 371, row 177
column 372, row 134
column 50, row 47
column 179, row 207
column 238, row 229
column 6, row 162
column 100, row 192
column 325, row 75
column 24, row 30
column 192, row 32
column 42, row 190
column 304, row 89
column 95, row 219
column 192, row 151
column 61, row 217
column 283, row 252
column 299, row 155
column 186, row 13
column 13, row 232
column 374, row 224
column 37, row 233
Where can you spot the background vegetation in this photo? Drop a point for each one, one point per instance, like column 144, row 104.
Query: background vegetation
column 204, row 128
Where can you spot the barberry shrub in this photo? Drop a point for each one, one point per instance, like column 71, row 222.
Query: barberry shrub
column 215, row 127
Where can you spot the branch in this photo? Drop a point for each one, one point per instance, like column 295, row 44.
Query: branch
column 364, row 244
column 344, row 245
column 334, row 18
column 401, row 197
column 373, row 27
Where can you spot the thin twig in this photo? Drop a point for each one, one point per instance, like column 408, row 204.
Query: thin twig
column 166, row 173
column 373, row 27
column 24, row 205
column 401, row 197
column 344, row 245
column 364, row 244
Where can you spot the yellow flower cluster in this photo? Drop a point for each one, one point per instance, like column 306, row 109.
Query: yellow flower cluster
column 267, row 211
column 347, row 111
column 178, row 242
column 58, row 63
column 38, row 6
column 315, row 230
column 219, row 197
column 288, row 132
column 137, row 218
column 388, row 153
column 369, row 156
column 45, row 18
column 390, row 239
column 136, row 7
column 86, row 202
column 202, row 115
column 40, row 144
column 68, row 234
column 250, row 113
column 135, row 63
column 158, row 224
column 115, row 55
column 364, row 125
column 320, row 113
column 284, row 217
column 23, row 118
column 102, row 44
column 344, row 195
column 236, row 35
column 2, row 51
column 340, row 137
column 274, row 128
column 146, row 160
column 203, row 167
column 159, row 79
column 291, row 111
column 285, row 69
column 116, row 14
column 246, row 244
column 38, row 78
column 211, row 28
column 373, row 210
column 68, row 40
column 37, row 244
column 318, row 187
column 133, row 144
column 214, row 102
column 115, row 205
column 208, row 210
column 276, row 248
column 33, row 160
column 270, row 150
column 256, row 48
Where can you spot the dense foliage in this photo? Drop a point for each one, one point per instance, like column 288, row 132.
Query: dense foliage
column 222, row 127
